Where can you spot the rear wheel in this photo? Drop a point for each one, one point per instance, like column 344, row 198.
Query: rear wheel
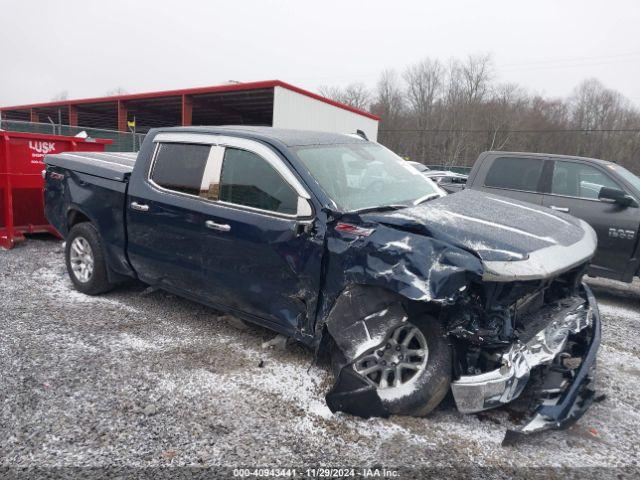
column 85, row 260
column 411, row 371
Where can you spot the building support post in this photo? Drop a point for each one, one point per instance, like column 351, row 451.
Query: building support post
column 33, row 116
column 122, row 117
column 73, row 116
column 187, row 110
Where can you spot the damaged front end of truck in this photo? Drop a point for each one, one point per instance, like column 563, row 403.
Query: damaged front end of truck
column 520, row 326
column 540, row 336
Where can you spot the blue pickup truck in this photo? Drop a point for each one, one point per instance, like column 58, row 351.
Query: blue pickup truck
column 409, row 292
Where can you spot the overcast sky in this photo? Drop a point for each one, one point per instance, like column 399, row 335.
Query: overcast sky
column 89, row 47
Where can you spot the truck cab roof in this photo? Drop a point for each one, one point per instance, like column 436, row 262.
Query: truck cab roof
column 287, row 137
column 546, row 155
column 117, row 165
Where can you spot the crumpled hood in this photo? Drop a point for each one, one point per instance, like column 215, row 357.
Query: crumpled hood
column 512, row 238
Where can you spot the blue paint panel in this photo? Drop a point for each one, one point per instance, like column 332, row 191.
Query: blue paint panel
column 263, row 265
column 99, row 199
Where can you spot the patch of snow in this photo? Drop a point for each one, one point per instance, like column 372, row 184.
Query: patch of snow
column 401, row 245
column 56, row 285
column 479, row 246
column 396, row 393
column 534, row 210
column 608, row 309
column 321, row 409
column 136, row 343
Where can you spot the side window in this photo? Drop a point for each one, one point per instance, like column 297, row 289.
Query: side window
column 180, row 167
column 515, row 173
column 579, row 180
column 248, row 179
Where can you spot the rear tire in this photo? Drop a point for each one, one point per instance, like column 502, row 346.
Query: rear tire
column 85, row 260
column 423, row 391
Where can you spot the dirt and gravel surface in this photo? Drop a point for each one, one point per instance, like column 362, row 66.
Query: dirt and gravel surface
column 139, row 378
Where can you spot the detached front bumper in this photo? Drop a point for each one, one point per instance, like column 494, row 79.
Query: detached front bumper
column 566, row 347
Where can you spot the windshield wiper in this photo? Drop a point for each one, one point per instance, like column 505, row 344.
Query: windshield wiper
column 426, row 198
column 379, row 208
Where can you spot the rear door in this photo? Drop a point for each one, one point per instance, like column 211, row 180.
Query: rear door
column 574, row 189
column 516, row 177
column 164, row 224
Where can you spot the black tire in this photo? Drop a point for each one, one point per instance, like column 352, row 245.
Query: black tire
column 431, row 384
column 98, row 281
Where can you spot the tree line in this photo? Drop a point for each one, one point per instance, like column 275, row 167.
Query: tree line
column 447, row 113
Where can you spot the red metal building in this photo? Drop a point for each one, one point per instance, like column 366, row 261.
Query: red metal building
column 273, row 102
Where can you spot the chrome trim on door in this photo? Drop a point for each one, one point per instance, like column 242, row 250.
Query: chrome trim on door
column 241, row 143
column 218, row 144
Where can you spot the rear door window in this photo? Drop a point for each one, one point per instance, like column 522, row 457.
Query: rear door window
column 248, row 179
column 515, row 173
column 578, row 180
column 180, row 167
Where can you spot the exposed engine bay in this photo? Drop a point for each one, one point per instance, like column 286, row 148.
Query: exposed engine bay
column 533, row 340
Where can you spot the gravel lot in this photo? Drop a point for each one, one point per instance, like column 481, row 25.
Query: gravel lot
column 138, row 378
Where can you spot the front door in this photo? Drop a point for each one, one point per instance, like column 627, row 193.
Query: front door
column 575, row 187
column 259, row 257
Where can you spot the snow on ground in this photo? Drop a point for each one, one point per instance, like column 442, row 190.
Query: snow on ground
column 148, row 379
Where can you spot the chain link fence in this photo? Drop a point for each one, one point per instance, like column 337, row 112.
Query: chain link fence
column 122, row 141
column 130, row 142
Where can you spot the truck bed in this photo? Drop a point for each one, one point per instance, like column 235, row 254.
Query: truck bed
column 111, row 165
column 92, row 185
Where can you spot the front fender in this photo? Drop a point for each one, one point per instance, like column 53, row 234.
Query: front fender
column 415, row 267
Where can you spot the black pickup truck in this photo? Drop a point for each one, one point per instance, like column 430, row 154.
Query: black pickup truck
column 411, row 293
column 602, row 193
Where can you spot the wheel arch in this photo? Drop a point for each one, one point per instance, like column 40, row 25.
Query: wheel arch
column 364, row 317
column 75, row 216
column 358, row 302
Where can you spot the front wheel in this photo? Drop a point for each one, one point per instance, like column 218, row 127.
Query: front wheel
column 411, row 370
column 85, row 260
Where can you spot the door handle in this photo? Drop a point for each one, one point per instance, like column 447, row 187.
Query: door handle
column 221, row 227
column 141, row 207
column 559, row 209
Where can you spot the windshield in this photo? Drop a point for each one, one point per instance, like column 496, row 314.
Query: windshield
column 626, row 175
column 365, row 175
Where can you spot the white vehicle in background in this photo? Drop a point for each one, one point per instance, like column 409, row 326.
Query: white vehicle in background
column 449, row 181
column 422, row 168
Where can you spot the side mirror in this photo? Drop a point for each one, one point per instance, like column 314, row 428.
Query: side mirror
column 614, row 195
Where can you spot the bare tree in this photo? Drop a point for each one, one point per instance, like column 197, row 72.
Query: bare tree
column 423, row 82
column 447, row 114
column 116, row 91
column 60, row 96
column 476, row 75
column 388, row 103
column 356, row 95
column 388, row 96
